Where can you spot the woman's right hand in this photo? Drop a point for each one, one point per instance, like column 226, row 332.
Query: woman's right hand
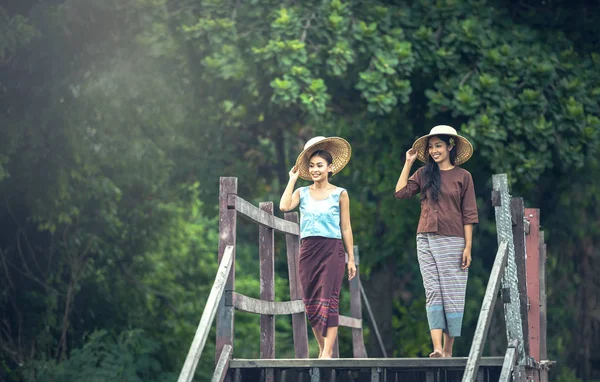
column 294, row 172
column 411, row 156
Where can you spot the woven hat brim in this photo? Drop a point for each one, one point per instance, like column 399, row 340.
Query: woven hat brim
column 339, row 148
column 464, row 148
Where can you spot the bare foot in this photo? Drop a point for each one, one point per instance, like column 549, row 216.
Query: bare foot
column 446, row 355
column 436, row 354
column 326, row 355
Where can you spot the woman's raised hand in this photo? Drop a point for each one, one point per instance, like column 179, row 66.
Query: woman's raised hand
column 294, row 172
column 411, row 155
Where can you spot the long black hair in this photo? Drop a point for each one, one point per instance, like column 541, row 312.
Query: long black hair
column 431, row 174
column 325, row 155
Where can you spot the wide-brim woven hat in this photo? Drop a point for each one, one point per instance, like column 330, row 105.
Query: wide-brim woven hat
column 464, row 148
column 339, row 149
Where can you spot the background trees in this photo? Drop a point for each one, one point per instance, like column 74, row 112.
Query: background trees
column 118, row 117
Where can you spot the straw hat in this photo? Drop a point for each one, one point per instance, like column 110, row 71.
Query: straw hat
column 464, row 148
column 339, row 149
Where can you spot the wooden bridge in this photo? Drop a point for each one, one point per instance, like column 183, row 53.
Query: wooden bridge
column 518, row 271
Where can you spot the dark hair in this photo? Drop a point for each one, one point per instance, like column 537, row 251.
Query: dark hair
column 431, row 174
column 325, row 155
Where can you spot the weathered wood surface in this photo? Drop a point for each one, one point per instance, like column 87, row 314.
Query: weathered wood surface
column 496, row 198
column 485, row 316
column 254, row 305
column 543, row 323
column 510, row 360
column 518, row 213
column 300, row 331
column 266, row 251
column 532, row 244
column 358, row 343
column 350, row 322
column 512, row 312
column 227, row 237
column 210, row 309
column 359, row 363
column 222, row 364
column 256, row 215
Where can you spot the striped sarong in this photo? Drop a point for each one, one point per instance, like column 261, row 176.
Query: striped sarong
column 321, row 269
column 440, row 259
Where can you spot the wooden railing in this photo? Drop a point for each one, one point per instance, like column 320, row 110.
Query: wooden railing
column 191, row 361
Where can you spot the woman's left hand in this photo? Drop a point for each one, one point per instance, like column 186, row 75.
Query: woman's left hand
column 466, row 259
column 351, row 269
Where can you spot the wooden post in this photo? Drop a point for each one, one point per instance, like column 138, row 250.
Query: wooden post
column 518, row 216
column 298, row 319
column 543, row 353
column 358, row 342
column 532, row 215
column 266, row 243
column 227, row 234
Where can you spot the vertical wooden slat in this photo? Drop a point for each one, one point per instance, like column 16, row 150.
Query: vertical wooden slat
column 358, row 342
column 227, row 234
column 266, row 247
column 543, row 353
column 336, row 347
column 532, row 215
column 517, row 214
column 299, row 319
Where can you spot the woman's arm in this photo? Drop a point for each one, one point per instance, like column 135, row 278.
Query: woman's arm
column 405, row 187
column 290, row 198
column 466, row 258
column 346, row 228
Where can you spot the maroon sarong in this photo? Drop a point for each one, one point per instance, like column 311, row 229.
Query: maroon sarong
column 321, row 268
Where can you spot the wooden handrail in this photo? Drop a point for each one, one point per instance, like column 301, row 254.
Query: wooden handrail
column 253, row 305
column 256, row 215
column 191, row 361
column 510, row 359
column 485, row 316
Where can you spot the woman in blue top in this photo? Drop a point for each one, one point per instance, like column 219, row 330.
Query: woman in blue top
column 324, row 229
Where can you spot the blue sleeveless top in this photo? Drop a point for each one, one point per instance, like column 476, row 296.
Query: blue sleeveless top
column 320, row 217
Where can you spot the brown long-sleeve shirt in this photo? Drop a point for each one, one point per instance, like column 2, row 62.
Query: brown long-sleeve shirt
column 456, row 204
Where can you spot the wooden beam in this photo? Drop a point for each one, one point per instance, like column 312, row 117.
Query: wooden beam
column 372, row 320
column 510, row 359
column 299, row 319
column 254, row 305
column 350, row 322
column 518, row 212
column 496, row 199
column 210, row 309
column 358, row 343
column 227, row 236
column 532, row 263
column 222, row 364
column 266, row 250
column 254, row 214
column 362, row 363
column 485, row 316
column 543, row 323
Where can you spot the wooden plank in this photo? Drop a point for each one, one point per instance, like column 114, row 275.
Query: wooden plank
column 336, row 347
column 227, row 236
column 358, row 343
column 518, row 212
column 510, row 359
column 429, row 376
column 485, row 316
column 210, row 309
column 362, row 363
column 222, row 364
column 543, row 323
column 299, row 319
column 350, row 322
column 532, row 244
column 266, row 250
column 254, row 305
column 375, row 374
column 250, row 212
column 504, row 230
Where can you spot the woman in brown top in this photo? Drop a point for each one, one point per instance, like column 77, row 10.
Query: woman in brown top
column 445, row 231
